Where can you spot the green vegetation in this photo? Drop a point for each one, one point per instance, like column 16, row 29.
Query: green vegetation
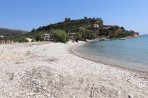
column 77, row 36
column 72, row 25
column 81, row 29
column 60, row 36
column 90, row 35
column 22, row 40
column 11, row 32
column 116, row 32
column 84, row 34
column 38, row 37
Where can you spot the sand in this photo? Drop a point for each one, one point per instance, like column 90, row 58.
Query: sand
column 50, row 70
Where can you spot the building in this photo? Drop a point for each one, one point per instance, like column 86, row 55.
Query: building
column 96, row 26
column 47, row 37
column 2, row 42
column 136, row 34
column 71, row 35
column 6, row 41
column 108, row 26
column 2, row 36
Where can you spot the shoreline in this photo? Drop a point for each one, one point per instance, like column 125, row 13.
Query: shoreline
column 74, row 52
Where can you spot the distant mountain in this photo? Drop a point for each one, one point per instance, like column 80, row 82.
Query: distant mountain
column 144, row 35
column 11, row 32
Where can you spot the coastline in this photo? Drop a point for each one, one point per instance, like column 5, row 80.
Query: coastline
column 139, row 73
column 47, row 70
column 74, row 52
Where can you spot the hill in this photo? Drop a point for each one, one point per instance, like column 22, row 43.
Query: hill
column 94, row 24
column 11, row 32
column 80, row 29
column 144, row 35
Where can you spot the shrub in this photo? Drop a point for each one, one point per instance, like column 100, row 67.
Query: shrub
column 21, row 40
column 60, row 36
column 38, row 37
column 77, row 36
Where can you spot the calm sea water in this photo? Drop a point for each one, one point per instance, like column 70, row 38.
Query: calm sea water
column 130, row 53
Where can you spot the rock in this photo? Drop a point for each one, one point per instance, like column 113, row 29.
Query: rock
column 129, row 96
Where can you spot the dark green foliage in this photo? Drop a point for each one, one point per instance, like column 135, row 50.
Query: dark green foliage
column 84, row 26
column 90, row 34
column 77, row 36
column 2, row 38
column 21, row 40
column 71, row 25
column 115, row 32
column 87, row 34
column 60, row 36
column 67, row 20
column 120, row 35
column 85, row 17
column 33, row 30
column 38, row 37
column 105, row 32
column 11, row 32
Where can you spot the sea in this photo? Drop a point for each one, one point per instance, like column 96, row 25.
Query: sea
column 130, row 53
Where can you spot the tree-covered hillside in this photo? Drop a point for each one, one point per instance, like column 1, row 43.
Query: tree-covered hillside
column 72, row 25
column 93, row 24
column 81, row 29
column 11, row 32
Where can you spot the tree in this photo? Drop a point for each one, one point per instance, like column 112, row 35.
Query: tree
column 60, row 36
column 67, row 19
column 21, row 40
column 90, row 34
column 33, row 30
column 85, row 18
column 87, row 34
column 38, row 37
column 77, row 36
column 82, row 31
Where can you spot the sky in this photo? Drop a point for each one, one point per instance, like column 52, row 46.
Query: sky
column 29, row 14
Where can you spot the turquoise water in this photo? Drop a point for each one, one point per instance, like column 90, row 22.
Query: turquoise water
column 130, row 53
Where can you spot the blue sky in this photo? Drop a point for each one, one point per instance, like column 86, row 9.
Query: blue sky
column 28, row 14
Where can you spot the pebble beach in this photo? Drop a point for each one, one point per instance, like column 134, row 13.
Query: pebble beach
column 51, row 70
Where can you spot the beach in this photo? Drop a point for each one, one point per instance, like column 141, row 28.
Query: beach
column 51, row 70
